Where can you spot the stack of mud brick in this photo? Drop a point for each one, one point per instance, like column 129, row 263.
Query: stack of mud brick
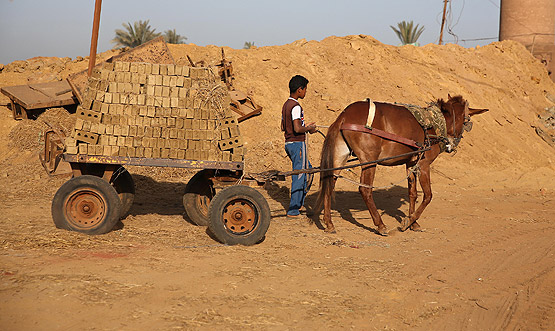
column 148, row 110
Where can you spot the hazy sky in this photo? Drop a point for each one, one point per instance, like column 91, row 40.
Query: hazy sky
column 62, row 28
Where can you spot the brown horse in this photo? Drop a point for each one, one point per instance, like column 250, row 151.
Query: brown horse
column 403, row 134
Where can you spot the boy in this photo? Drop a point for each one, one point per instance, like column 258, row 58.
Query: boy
column 294, row 128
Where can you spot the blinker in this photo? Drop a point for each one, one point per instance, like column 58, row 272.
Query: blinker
column 467, row 126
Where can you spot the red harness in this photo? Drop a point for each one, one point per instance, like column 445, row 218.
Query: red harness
column 381, row 133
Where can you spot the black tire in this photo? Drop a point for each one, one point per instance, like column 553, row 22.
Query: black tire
column 198, row 194
column 123, row 183
column 239, row 215
column 86, row 204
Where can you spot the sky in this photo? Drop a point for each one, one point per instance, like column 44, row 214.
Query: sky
column 62, row 28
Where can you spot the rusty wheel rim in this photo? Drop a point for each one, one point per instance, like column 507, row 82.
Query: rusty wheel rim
column 85, row 209
column 240, row 216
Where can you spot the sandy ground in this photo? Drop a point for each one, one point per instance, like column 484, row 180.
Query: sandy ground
column 485, row 260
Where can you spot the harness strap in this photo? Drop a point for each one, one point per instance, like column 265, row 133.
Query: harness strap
column 381, row 133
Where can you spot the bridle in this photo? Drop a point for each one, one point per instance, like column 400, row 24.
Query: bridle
column 452, row 143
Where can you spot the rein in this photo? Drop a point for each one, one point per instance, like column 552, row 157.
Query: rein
column 381, row 133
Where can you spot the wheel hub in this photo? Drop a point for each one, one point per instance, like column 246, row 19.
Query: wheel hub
column 239, row 216
column 85, row 209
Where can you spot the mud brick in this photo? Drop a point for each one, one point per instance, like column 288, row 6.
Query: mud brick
column 179, row 122
column 125, row 130
column 180, row 134
column 117, row 130
column 226, row 144
column 183, row 144
column 166, row 81
column 72, row 149
column 125, row 66
column 85, row 136
column 236, row 157
column 173, row 143
column 150, row 80
column 148, row 131
column 180, row 154
column 128, row 141
column 137, row 141
column 104, row 140
column 139, row 151
column 165, row 91
column 134, row 78
column 140, row 131
column 224, row 133
column 171, row 69
column 163, row 69
column 83, row 149
column 150, row 100
column 188, row 123
column 189, row 134
column 178, row 71
column 123, row 98
column 133, row 99
column 203, row 124
column 159, row 142
column 89, row 115
column 187, row 83
column 150, row 89
column 169, row 122
column 79, row 123
column 120, row 109
column 194, row 72
column 118, row 66
column 101, row 128
column 188, row 154
column 133, row 67
column 151, row 111
column 179, row 81
column 205, row 145
column 158, row 101
column 173, row 81
column 108, row 66
column 197, row 155
column 173, row 133
column 226, row 156
column 183, row 92
column 174, row 92
column 146, row 142
column 120, row 141
column 228, row 122
column 196, row 124
column 211, row 124
column 234, row 131
column 174, row 102
column 116, row 97
column 107, row 150
column 114, row 151
column 147, row 152
column 164, row 153
column 87, row 103
column 112, row 87
column 142, row 79
column 87, row 126
column 155, row 69
column 173, row 153
column 204, row 114
column 109, row 130
column 239, row 150
column 159, row 80
column 104, row 108
column 132, row 130
column 112, row 140
column 147, row 121
column 156, row 152
column 130, row 151
column 69, row 141
column 112, row 76
column 185, row 71
column 127, row 77
column 141, row 99
column 196, row 134
column 122, row 151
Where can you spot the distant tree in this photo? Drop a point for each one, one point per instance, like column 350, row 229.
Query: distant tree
column 171, row 37
column 248, row 45
column 407, row 32
column 134, row 35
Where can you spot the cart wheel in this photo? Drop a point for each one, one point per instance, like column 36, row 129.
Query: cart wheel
column 239, row 215
column 86, row 204
column 198, row 194
column 123, row 182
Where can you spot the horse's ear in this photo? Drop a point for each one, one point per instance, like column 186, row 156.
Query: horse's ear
column 474, row 111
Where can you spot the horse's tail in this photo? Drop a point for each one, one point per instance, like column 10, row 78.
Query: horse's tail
column 327, row 161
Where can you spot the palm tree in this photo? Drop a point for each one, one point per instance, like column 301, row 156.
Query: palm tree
column 248, row 45
column 171, row 37
column 134, row 35
column 407, row 32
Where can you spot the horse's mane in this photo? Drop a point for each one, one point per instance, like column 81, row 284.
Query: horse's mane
column 451, row 100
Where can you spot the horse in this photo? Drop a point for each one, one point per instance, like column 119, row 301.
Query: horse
column 394, row 131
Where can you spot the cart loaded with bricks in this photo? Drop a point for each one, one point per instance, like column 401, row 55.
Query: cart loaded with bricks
column 159, row 115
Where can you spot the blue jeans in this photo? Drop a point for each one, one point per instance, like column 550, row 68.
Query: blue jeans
column 299, row 183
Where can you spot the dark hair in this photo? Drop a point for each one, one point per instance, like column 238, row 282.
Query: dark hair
column 297, row 82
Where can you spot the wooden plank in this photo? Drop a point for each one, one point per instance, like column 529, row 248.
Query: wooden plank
column 154, row 51
column 43, row 95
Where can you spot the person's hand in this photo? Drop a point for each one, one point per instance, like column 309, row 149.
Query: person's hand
column 311, row 127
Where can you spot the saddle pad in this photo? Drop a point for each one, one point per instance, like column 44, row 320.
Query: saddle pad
column 429, row 117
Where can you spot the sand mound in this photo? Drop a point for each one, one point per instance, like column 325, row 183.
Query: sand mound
column 502, row 76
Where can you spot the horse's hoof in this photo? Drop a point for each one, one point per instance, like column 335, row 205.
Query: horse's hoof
column 383, row 232
column 405, row 224
column 332, row 230
column 415, row 227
